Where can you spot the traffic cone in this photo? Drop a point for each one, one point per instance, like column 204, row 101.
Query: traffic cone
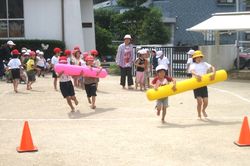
column 244, row 139
column 26, row 144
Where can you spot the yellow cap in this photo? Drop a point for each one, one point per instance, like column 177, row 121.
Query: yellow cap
column 197, row 53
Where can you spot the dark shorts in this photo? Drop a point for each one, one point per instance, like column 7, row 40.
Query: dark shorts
column 54, row 75
column 189, row 75
column 15, row 73
column 67, row 89
column 40, row 67
column 31, row 75
column 201, row 92
column 90, row 89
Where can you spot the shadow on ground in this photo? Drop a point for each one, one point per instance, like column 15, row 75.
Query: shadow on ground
column 78, row 114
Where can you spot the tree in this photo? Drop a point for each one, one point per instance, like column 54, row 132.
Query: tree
column 130, row 3
column 103, row 17
column 153, row 29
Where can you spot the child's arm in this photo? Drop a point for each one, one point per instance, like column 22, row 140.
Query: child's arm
column 198, row 77
column 212, row 68
column 174, row 85
column 157, row 84
column 99, row 71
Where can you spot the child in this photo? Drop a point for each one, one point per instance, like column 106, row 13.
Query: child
column 189, row 62
column 140, row 68
column 161, row 80
column 90, row 83
column 66, row 86
column 97, row 63
column 14, row 65
column 41, row 63
column 54, row 61
column 199, row 68
column 30, row 68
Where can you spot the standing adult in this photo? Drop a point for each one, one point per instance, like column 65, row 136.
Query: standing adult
column 124, row 59
column 163, row 60
column 5, row 55
column 154, row 61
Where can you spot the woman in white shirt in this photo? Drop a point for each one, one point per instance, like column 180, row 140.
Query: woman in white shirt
column 14, row 65
column 189, row 62
column 198, row 69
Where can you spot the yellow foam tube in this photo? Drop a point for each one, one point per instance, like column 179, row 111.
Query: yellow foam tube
column 185, row 85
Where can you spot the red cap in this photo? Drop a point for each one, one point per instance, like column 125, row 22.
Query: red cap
column 94, row 52
column 15, row 52
column 77, row 48
column 89, row 58
column 67, row 52
column 57, row 50
column 63, row 60
column 32, row 53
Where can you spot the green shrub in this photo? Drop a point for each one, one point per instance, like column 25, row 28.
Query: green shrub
column 114, row 69
column 37, row 45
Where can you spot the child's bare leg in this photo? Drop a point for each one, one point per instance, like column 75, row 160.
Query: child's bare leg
column 55, row 84
column 164, row 110
column 158, row 110
column 205, row 103
column 70, row 103
column 199, row 105
column 89, row 100
column 93, row 102
column 74, row 99
column 141, row 86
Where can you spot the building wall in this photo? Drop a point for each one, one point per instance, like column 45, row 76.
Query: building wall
column 87, row 14
column 72, row 22
column 42, row 19
column 189, row 13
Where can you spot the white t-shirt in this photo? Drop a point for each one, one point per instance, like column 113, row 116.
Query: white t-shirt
column 164, row 61
column 41, row 62
column 189, row 62
column 14, row 63
column 65, row 78
column 200, row 68
column 54, row 60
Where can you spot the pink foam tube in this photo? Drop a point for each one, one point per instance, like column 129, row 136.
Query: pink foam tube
column 74, row 70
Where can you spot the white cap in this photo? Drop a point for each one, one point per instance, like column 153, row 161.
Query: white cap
column 37, row 51
column 127, row 37
column 190, row 52
column 142, row 51
column 159, row 54
column 11, row 43
column 161, row 67
column 23, row 51
column 41, row 53
column 28, row 51
column 48, row 59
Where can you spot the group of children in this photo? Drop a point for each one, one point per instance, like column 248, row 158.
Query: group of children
column 90, row 84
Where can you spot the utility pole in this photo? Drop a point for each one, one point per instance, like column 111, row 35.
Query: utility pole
column 237, row 38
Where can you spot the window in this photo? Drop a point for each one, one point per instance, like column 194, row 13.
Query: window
column 226, row 1
column 11, row 19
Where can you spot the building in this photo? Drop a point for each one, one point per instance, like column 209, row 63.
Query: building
column 180, row 15
column 71, row 21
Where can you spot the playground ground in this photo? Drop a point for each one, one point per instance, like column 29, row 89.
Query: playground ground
column 124, row 129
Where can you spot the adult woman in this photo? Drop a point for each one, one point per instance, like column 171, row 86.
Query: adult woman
column 124, row 59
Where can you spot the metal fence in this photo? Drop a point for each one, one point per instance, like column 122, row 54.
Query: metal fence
column 177, row 57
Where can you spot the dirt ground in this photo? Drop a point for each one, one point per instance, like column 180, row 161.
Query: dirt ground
column 124, row 129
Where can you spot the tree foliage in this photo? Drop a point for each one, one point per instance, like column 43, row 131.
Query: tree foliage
column 130, row 3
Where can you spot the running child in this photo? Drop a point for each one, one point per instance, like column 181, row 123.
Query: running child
column 91, row 83
column 31, row 70
column 66, row 86
column 54, row 61
column 198, row 69
column 161, row 80
column 14, row 65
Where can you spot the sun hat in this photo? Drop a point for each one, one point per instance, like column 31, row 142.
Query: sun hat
column 57, row 50
column 94, row 52
column 190, row 52
column 11, row 43
column 159, row 54
column 127, row 36
column 142, row 51
column 161, row 67
column 89, row 58
column 15, row 52
column 197, row 53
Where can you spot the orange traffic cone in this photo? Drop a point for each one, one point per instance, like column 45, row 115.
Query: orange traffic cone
column 26, row 144
column 244, row 139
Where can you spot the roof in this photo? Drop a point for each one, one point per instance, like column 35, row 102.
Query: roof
column 232, row 21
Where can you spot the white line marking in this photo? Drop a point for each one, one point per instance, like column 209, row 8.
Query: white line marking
column 231, row 93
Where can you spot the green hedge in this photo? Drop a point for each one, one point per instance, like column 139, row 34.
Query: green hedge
column 36, row 45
